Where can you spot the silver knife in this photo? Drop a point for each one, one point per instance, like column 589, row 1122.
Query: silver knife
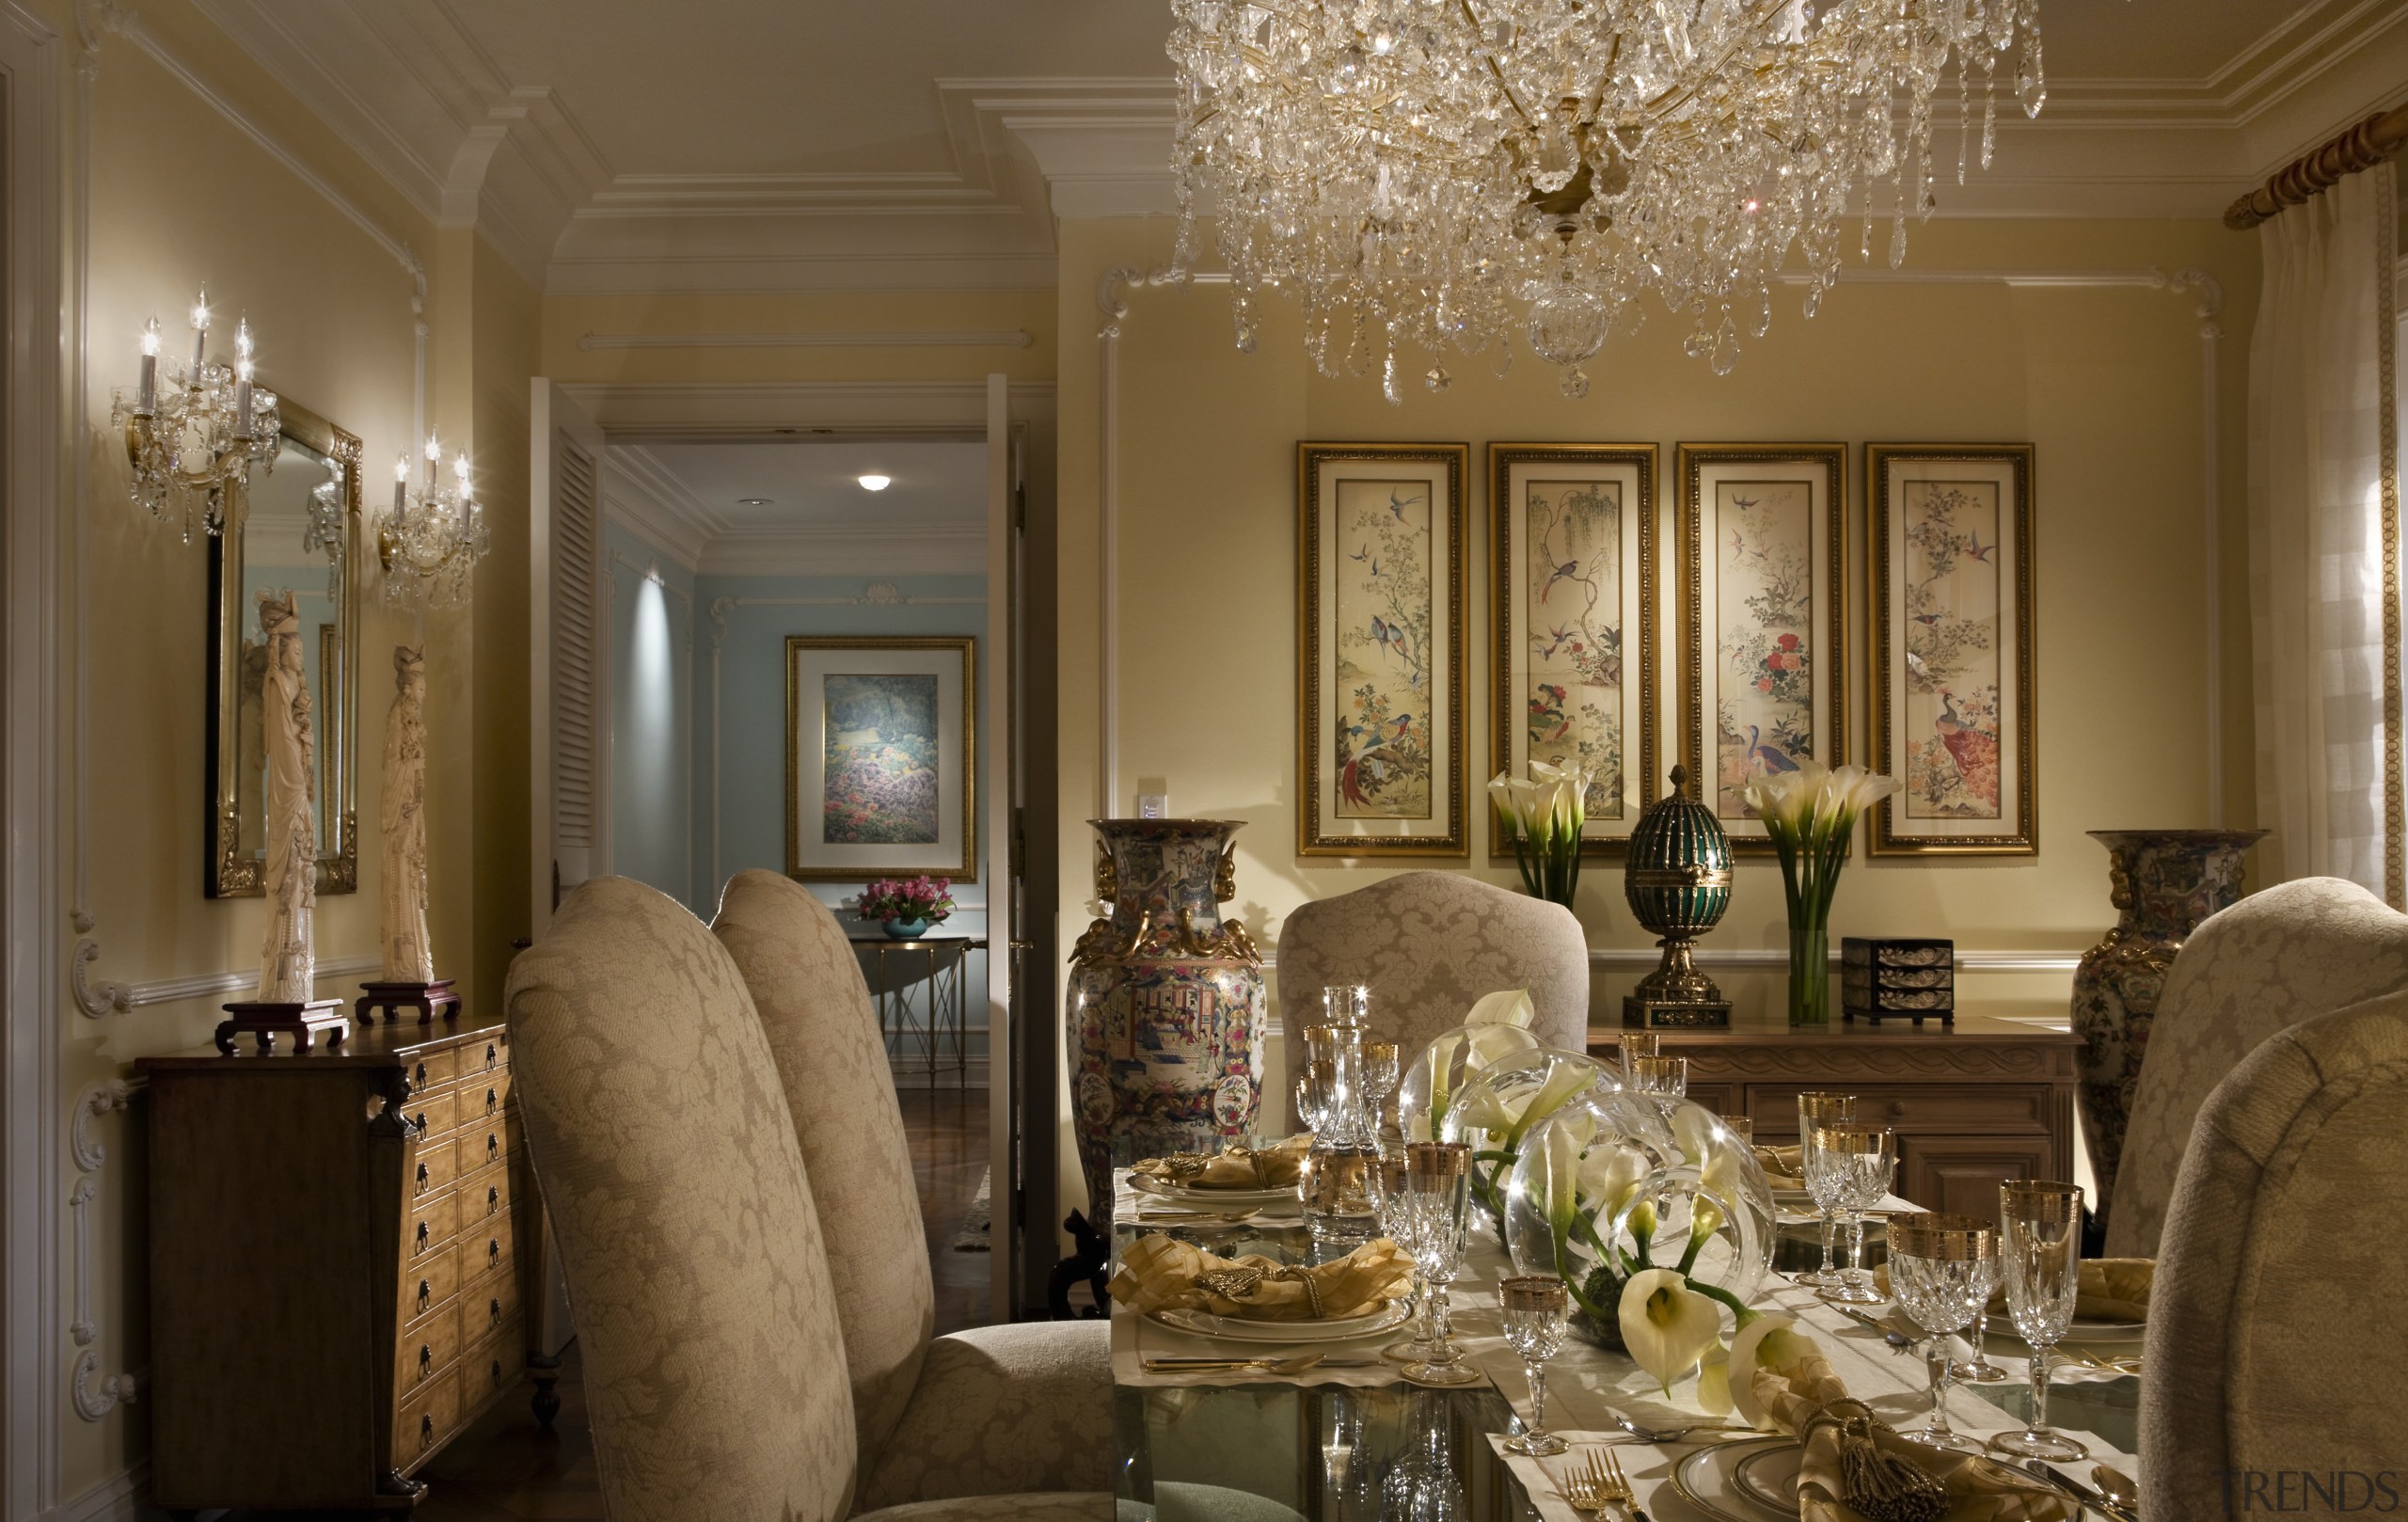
column 1218, row 1363
column 2079, row 1491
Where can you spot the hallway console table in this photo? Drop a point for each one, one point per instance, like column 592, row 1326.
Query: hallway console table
column 1974, row 1103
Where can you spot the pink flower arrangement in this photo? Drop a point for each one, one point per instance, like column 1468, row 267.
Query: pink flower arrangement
column 922, row 898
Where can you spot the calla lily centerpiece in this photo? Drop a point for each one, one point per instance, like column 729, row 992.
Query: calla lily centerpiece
column 1811, row 813
column 1497, row 1028
column 1543, row 815
column 1496, row 1111
column 1667, row 1326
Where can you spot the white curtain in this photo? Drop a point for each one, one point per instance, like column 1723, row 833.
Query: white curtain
column 2323, row 535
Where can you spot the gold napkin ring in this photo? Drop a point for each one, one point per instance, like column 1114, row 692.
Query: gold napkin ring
column 1239, row 1282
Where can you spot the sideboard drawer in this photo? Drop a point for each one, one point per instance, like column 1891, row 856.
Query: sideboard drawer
column 490, row 1306
column 485, row 1249
column 435, row 1113
column 1913, row 1109
column 483, row 1195
column 484, row 1097
column 431, row 1227
column 425, row 1352
column 491, row 1055
column 493, row 1366
column 426, row 1286
column 435, row 1070
column 434, row 1168
column 424, row 1420
column 486, row 1142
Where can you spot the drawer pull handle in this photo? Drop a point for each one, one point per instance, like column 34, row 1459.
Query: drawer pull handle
column 425, row 1292
column 497, row 1371
column 493, row 1309
column 425, row 1359
column 493, row 1146
column 421, row 1178
column 426, row 1428
column 493, row 1252
column 1898, row 1109
column 421, row 1236
column 491, row 1055
column 421, row 1074
column 493, row 1198
column 493, row 1101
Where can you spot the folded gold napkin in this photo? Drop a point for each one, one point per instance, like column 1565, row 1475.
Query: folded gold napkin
column 2109, row 1290
column 1160, row 1273
column 1783, row 1167
column 1811, row 1402
column 1237, row 1167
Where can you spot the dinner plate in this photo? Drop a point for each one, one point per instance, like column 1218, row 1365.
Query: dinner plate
column 2086, row 1329
column 1236, row 1330
column 1706, row 1478
column 1770, row 1476
column 1225, row 1199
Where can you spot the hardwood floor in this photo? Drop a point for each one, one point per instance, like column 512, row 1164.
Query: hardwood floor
column 507, row 1469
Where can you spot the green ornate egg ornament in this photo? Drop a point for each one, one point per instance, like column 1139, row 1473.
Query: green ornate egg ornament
column 1677, row 877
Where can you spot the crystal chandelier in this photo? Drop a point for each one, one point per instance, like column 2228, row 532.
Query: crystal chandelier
column 1443, row 175
column 192, row 443
column 429, row 541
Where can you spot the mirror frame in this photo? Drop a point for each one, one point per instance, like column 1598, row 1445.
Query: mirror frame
column 228, row 874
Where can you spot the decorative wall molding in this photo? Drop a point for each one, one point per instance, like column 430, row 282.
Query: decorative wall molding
column 685, row 412
column 1016, row 339
column 233, row 980
column 93, row 1400
column 1776, row 959
column 118, row 1498
column 1119, row 284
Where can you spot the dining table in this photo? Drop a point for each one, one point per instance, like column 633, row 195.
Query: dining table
column 1350, row 1439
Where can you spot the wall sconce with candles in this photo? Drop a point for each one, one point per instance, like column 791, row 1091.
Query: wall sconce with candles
column 430, row 540
column 193, row 440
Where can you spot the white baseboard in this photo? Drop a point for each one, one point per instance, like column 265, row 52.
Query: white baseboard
column 124, row 1498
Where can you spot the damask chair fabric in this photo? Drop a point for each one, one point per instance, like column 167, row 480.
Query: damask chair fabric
column 1428, row 944
column 660, row 1137
column 2271, row 1345
column 990, row 1410
column 2295, row 951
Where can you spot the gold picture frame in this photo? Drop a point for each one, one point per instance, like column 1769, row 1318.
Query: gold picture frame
column 1574, row 606
column 865, row 717
column 1380, row 665
column 1764, row 618
column 1954, row 716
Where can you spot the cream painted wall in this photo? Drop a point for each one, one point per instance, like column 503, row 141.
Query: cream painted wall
column 2107, row 383
column 569, row 318
column 180, row 195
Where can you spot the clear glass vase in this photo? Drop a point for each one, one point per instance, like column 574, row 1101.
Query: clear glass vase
column 1810, row 967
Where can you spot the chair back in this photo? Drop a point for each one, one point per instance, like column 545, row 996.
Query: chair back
column 683, row 1219
column 2272, row 1343
column 1428, row 944
column 831, row 1054
column 2295, row 951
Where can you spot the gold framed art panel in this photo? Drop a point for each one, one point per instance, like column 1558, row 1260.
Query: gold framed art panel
column 1576, row 521
column 911, row 703
column 1382, row 537
column 1954, row 716
column 1764, row 617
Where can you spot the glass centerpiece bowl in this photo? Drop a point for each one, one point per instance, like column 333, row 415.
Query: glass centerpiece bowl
column 1495, row 1109
column 1616, row 1183
column 1452, row 1059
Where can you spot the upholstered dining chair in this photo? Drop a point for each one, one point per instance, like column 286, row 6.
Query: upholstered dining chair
column 1023, row 1407
column 1427, row 944
column 2273, row 1344
column 697, row 1271
column 2292, row 952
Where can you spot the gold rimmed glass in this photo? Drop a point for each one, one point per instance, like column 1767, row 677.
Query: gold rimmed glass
column 1533, row 1309
column 1437, row 1187
column 2039, row 1258
column 1822, row 1109
column 1637, row 1044
column 1665, row 1077
column 1346, row 1004
column 1382, row 1067
column 1943, row 1268
column 1847, row 1171
column 1399, row 1223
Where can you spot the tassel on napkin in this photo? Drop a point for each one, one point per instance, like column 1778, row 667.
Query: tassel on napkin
column 1161, row 1272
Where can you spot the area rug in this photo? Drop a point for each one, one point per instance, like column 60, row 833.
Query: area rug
column 977, row 1224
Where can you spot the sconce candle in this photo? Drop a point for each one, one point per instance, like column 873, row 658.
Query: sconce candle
column 147, row 399
column 429, row 544
column 194, row 447
column 243, row 376
column 400, row 489
column 200, row 332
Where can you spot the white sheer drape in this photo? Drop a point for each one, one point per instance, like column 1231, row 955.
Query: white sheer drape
column 2322, row 538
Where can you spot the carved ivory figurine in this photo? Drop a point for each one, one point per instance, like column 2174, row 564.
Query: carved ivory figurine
column 287, row 965
column 409, row 959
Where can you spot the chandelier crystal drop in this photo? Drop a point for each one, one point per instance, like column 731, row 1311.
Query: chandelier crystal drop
column 1454, row 174
column 191, row 442
column 430, row 540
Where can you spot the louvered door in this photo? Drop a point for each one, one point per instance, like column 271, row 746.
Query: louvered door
column 567, row 677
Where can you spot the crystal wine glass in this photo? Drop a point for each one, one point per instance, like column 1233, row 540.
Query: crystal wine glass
column 1437, row 1180
column 1346, row 1004
column 2040, row 1258
column 1664, row 1077
column 1637, row 1044
column 1314, row 1088
column 1399, row 1222
column 1821, row 1109
column 1532, row 1307
column 1382, row 1067
column 1848, row 1173
column 1943, row 1268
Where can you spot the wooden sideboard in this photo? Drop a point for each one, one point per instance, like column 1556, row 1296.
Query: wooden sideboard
column 1974, row 1103
column 336, row 1277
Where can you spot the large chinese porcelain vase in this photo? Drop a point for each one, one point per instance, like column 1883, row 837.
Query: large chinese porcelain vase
column 1167, row 1004
column 2163, row 883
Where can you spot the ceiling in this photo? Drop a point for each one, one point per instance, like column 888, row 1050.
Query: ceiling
column 615, row 145
column 817, row 519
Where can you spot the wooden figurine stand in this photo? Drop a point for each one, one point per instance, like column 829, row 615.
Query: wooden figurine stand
column 428, row 999
column 267, row 1021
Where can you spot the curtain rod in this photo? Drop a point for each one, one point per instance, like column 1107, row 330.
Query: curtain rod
column 2362, row 147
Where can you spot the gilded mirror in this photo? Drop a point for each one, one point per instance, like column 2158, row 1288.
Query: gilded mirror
column 296, row 530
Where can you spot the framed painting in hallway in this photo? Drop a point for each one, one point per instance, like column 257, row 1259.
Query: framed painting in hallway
column 881, row 746
column 1954, row 711
column 1574, row 584
column 1381, row 626
column 1764, row 618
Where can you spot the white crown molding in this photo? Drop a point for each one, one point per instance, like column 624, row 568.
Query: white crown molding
column 1017, row 338
column 644, row 496
column 904, row 549
column 696, row 411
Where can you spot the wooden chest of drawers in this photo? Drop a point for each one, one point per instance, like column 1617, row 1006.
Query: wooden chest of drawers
column 1973, row 1104
column 336, row 1277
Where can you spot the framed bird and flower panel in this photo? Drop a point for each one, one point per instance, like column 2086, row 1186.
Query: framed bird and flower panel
column 1764, row 632
column 1953, row 718
column 1380, row 649
column 1572, row 552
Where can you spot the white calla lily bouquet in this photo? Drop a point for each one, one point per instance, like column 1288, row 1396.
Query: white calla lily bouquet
column 1811, row 815
column 1545, row 813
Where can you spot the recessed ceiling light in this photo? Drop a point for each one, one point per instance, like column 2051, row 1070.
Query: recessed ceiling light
column 754, row 501
column 876, row 483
